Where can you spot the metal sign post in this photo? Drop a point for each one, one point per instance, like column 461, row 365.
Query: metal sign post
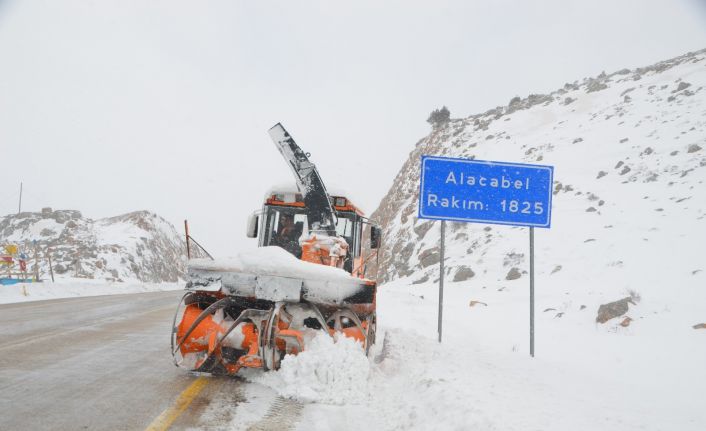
column 477, row 191
column 532, row 291
column 441, row 277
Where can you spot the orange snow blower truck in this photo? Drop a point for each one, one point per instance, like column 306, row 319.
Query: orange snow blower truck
column 307, row 277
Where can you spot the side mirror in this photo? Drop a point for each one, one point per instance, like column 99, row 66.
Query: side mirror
column 251, row 231
column 375, row 237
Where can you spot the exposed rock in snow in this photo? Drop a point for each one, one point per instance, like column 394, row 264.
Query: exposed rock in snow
column 613, row 309
column 137, row 246
column 429, row 257
column 513, row 274
column 463, row 273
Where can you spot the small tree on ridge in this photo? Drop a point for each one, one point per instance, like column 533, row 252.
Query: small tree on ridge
column 439, row 117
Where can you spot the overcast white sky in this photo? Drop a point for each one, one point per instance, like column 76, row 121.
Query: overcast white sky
column 113, row 106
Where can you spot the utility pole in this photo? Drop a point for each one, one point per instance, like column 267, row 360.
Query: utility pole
column 36, row 263
column 188, row 246
column 19, row 208
column 51, row 270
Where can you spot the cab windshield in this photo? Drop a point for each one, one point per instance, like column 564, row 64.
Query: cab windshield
column 286, row 226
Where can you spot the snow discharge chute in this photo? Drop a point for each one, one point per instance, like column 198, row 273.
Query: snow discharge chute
column 316, row 198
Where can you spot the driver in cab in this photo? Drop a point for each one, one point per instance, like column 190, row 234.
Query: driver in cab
column 287, row 235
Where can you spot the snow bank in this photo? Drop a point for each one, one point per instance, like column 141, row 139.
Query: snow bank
column 329, row 371
column 70, row 288
column 583, row 377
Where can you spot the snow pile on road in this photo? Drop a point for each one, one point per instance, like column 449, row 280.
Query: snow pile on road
column 329, row 371
column 71, row 288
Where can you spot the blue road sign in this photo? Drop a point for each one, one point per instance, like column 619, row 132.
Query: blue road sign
column 485, row 192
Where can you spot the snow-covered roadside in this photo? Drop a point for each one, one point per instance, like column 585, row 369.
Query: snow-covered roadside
column 585, row 376
column 69, row 288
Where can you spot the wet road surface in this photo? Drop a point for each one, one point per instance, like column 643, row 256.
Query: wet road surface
column 95, row 363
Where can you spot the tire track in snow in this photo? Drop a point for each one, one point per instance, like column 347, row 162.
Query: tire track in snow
column 282, row 415
column 214, row 408
column 385, row 351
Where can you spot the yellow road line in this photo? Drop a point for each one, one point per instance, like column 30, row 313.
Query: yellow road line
column 165, row 420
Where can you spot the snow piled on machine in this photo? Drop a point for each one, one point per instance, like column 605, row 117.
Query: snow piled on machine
column 274, row 261
column 274, row 274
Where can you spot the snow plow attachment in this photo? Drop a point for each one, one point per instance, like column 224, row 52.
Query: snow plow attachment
column 239, row 325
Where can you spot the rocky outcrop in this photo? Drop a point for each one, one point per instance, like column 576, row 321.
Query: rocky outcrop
column 138, row 246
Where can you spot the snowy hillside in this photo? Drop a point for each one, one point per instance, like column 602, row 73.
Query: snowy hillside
column 629, row 151
column 138, row 246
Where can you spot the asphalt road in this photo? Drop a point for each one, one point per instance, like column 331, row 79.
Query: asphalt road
column 98, row 363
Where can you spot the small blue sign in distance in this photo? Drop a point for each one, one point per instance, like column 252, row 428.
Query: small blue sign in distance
column 486, row 192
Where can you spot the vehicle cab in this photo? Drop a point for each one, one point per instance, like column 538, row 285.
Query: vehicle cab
column 283, row 222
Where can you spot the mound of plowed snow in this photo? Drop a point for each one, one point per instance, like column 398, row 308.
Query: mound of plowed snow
column 329, row 371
